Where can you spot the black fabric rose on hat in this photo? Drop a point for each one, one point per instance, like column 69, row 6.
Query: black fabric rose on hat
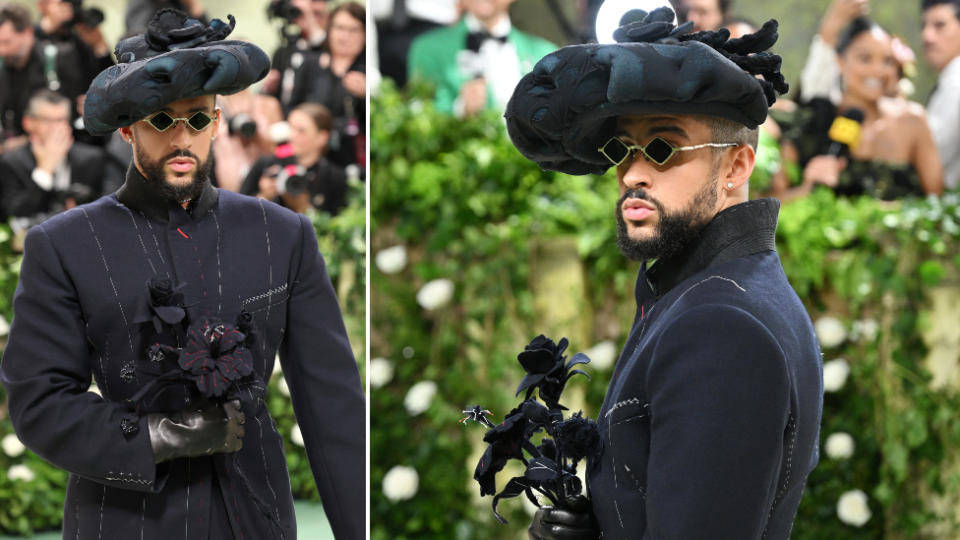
column 177, row 58
column 567, row 107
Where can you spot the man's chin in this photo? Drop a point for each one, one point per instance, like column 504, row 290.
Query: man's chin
column 641, row 231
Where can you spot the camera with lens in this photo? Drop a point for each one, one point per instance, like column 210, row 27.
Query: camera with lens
column 292, row 178
column 242, row 124
column 283, row 9
column 91, row 17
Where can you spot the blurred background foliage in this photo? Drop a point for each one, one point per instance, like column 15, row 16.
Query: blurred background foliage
column 529, row 252
column 32, row 491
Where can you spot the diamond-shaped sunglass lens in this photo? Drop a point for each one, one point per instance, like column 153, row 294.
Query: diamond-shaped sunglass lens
column 616, row 150
column 658, row 150
column 199, row 121
column 161, row 121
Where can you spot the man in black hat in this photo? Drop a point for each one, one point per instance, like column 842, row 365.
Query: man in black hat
column 176, row 297
column 711, row 421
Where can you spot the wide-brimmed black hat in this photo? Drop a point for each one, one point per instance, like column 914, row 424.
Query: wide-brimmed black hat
column 567, row 107
column 177, row 58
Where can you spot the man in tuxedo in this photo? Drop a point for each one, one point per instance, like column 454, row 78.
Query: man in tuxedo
column 176, row 297
column 941, row 49
column 52, row 173
column 710, row 424
column 475, row 63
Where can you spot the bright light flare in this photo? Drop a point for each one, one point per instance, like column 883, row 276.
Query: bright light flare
column 608, row 17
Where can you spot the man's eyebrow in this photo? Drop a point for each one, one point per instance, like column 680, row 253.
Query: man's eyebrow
column 657, row 130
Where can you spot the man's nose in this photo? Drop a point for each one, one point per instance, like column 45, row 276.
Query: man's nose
column 639, row 173
column 181, row 136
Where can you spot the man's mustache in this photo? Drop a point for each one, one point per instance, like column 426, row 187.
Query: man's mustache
column 180, row 153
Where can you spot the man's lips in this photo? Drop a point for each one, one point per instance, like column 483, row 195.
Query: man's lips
column 637, row 209
column 181, row 165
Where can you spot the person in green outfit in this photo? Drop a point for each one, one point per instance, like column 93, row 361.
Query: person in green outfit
column 476, row 63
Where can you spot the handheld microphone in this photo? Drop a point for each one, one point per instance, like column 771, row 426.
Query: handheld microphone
column 845, row 132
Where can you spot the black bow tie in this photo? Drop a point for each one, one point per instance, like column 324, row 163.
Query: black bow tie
column 476, row 39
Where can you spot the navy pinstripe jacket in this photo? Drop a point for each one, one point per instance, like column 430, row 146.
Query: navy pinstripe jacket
column 83, row 276
column 710, row 425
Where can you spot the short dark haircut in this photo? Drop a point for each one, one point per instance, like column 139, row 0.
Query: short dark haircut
column 45, row 96
column 725, row 7
column 319, row 114
column 927, row 4
column 723, row 130
column 16, row 14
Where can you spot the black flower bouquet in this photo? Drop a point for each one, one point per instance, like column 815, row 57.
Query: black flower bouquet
column 208, row 359
column 551, row 465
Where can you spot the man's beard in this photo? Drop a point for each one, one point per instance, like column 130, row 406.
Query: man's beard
column 155, row 175
column 674, row 231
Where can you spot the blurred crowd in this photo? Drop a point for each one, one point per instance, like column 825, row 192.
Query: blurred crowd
column 298, row 138
column 852, row 123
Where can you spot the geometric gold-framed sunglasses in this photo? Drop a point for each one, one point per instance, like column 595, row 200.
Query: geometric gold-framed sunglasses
column 658, row 150
column 197, row 121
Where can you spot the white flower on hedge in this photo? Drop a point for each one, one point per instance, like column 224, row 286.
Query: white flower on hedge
column 12, row 445
column 835, row 374
column 381, row 371
column 400, row 483
column 435, row 294
column 867, row 329
column 419, row 396
column 830, row 332
column 282, row 386
column 839, row 445
column 602, row 355
column 852, row 508
column 296, row 435
column 21, row 472
column 392, row 259
column 4, row 327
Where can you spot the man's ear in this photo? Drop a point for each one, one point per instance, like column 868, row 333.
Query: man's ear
column 738, row 167
column 216, row 123
column 127, row 134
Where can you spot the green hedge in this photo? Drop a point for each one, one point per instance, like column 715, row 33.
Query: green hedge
column 467, row 207
column 33, row 505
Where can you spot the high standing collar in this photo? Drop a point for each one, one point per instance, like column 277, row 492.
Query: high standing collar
column 138, row 194
column 738, row 231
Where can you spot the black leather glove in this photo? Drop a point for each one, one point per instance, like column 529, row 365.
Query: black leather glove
column 575, row 522
column 196, row 433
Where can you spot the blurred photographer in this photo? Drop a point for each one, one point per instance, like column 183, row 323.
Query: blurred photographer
column 244, row 135
column 52, row 173
column 298, row 175
column 337, row 79
column 303, row 28
column 63, row 53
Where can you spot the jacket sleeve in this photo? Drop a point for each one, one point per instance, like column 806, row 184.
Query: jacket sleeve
column 46, row 372
column 428, row 61
column 719, row 406
column 324, row 383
